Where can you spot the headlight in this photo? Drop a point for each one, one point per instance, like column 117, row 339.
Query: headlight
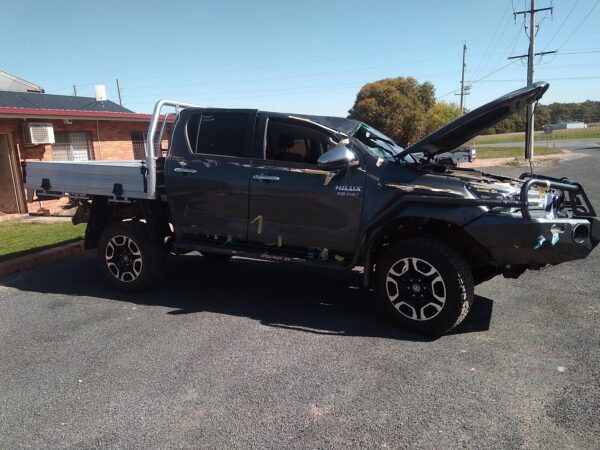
column 496, row 191
column 549, row 201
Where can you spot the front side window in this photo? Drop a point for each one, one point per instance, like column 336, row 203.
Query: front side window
column 218, row 133
column 294, row 142
column 71, row 147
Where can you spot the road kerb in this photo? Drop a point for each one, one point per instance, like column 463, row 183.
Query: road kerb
column 41, row 258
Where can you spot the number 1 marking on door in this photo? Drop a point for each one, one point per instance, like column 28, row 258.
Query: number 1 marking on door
column 258, row 219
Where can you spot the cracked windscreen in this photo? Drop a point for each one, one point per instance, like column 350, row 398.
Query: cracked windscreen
column 378, row 144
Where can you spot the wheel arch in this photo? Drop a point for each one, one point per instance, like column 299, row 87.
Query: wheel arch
column 406, row 227
column 101, row 213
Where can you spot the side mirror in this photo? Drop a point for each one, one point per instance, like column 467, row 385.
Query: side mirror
column 338, row 157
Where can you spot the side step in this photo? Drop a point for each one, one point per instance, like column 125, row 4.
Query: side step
column 261, row 253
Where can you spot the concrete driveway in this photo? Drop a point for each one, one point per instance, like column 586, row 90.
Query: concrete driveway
column 248, row 354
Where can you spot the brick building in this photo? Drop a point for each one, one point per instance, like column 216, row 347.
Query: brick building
column 82, row 127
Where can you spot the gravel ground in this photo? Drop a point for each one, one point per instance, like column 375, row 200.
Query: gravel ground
column 251, row 354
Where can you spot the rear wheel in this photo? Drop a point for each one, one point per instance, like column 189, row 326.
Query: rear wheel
column 128, row 258
column 424, row 285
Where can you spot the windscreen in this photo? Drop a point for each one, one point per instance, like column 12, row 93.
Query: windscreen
column 378, row 144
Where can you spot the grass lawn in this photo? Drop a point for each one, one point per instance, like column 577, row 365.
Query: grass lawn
column 512, row 152
column 20, row 238
column 539, row 135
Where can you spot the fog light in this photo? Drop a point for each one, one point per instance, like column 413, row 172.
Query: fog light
column 580, row 233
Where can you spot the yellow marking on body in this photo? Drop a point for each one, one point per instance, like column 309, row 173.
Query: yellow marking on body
column 328, row 178
column 258, row 219
column 324, row 254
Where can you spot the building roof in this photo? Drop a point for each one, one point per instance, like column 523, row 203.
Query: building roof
column 10, row 82
column 26, row 104
column 56, row 102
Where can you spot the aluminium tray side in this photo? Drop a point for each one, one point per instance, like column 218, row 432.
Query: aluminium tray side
column 88, row 178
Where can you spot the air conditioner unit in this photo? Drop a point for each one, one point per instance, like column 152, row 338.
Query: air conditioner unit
column 36, row 133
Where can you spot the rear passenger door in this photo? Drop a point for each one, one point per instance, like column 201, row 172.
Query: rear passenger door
column 207, row 173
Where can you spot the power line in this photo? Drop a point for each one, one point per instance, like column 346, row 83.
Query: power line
column 579, row 53
column 511, row 47
column 305, row 75
column 277, row 94
column 478, row 80
column 492, row 73
column 289, row 77
column 516, row 41
column 497, row 41
column 297, row 88
column 476, row 71
column 562, row 24
column 545, row 79
column 533, row 30
column 297, row 63
column 580, row 23
column 449, row 93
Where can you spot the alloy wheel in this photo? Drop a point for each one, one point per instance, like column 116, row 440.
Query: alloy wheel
column 123, row 258
column 416, row 289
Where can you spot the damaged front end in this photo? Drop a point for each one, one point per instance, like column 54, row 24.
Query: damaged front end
column 550, row 221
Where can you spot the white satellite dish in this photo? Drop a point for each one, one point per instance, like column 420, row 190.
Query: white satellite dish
column 100, row 91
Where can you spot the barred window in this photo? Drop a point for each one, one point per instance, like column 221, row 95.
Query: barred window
column 71, row 147
column 138, row 141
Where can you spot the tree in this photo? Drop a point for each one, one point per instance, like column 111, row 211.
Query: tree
column 406, row 110
column 588, row 111
column 396, row 106
column 441, row 114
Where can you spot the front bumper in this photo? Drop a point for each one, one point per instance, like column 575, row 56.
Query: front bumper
column 517, row 241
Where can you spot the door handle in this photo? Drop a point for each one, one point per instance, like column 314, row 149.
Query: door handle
column 183, row 170
column 262, row 177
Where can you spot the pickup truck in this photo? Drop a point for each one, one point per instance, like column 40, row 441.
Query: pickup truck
column 327, row 192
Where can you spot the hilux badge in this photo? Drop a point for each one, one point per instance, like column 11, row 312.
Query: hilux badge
column 352, row 191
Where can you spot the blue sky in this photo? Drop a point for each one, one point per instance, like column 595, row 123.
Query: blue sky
column 299, row 56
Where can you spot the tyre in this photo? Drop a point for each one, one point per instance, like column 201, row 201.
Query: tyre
column 216, row 257
column 128, row 259
column 424, row 285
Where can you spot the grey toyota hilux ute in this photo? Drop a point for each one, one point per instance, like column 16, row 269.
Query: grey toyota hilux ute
column 327, row 192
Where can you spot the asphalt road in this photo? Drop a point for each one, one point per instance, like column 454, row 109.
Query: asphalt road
column 248, row 354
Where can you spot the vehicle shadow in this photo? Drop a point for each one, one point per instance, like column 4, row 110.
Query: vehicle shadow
column 296, row 298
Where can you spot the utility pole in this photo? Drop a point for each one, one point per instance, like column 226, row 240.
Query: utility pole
column 119, row 92
column 464, row 89
column 74, row 91
column 529, row 131
column 462, row 80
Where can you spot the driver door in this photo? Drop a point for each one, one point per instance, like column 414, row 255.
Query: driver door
column 297, row 207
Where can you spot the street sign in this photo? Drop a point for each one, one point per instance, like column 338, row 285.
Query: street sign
column 548, row 129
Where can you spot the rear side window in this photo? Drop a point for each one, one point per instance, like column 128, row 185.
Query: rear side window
column 218, row 133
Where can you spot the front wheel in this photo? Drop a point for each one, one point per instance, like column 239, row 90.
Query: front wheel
column 424, row 285
column 128, row 258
